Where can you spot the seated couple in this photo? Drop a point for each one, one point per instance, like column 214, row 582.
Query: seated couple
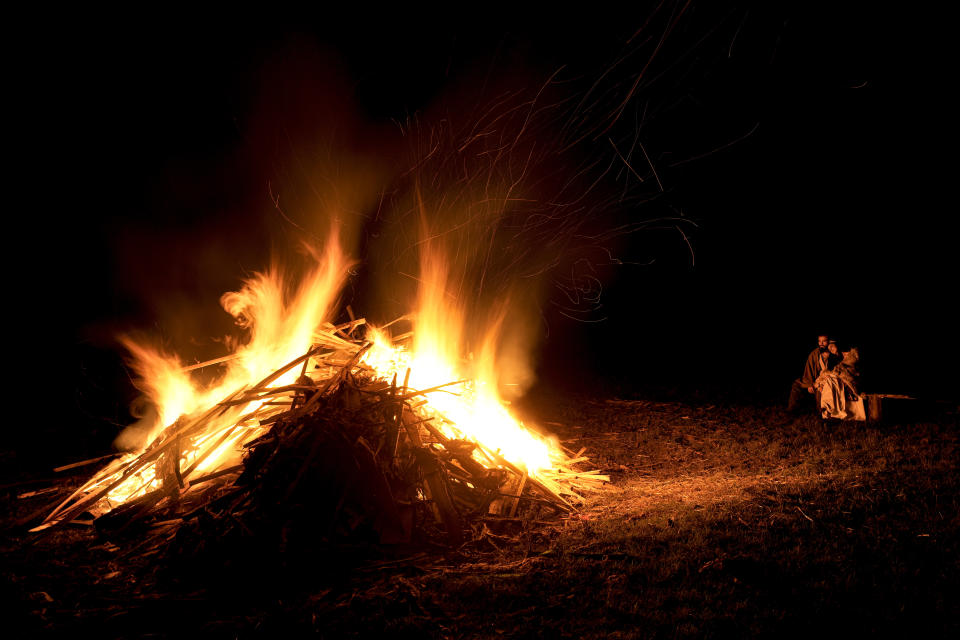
column 830, row 375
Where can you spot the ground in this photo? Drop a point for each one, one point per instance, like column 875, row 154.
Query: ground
column 723, row 519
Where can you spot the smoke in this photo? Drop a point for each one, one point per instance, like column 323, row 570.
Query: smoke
column 137, row 435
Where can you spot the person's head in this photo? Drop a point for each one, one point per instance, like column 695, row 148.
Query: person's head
column 832, row 347
column 822, row 341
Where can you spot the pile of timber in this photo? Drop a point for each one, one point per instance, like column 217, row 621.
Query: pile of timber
column 340, row 456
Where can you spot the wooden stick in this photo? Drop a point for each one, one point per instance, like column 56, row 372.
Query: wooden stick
column 347, row 328
column 206, row 454
column 83, row 463
column 176, row 464
column 217, row 474
column 534, row 481
column 332, row 339
column 159, row 493
column 83, row 487
column 436, row 433
column 436, row 488
column 393, row 414
column 303, row 371
column 493, row 456
column 201, row 365
column 282, row 370
column 266, row 393
column 396, row 320
column 430, row 390
column 152, row 453
column 93, row 497
column 320, row 392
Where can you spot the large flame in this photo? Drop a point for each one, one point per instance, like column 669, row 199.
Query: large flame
column 280, row 325
column 474, row 409
column 282, row 322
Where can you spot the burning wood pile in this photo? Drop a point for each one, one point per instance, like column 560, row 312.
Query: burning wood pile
column 338, row 444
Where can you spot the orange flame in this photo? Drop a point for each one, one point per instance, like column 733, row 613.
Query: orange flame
column 280, row 326
column 474, row 411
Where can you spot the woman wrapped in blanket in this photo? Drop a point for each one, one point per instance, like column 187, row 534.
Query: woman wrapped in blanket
column 838, row 386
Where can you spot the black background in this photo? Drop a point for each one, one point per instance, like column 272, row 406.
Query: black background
column 811, row 149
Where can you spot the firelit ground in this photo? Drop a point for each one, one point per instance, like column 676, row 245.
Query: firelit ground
column 722, row 520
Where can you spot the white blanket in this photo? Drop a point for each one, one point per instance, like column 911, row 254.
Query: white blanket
column 837, row 400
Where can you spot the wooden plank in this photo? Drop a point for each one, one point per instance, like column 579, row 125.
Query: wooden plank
column 516, row 502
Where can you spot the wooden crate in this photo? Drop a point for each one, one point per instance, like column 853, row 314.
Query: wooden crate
column 876, row 403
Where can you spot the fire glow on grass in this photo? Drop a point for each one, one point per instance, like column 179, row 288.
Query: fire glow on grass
column 460, row 395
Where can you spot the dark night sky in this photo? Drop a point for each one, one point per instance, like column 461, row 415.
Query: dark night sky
column 823, row 206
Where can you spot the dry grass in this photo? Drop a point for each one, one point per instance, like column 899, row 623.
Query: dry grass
column 723, row 521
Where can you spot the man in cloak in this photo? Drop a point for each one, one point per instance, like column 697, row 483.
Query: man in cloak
column 805, row 385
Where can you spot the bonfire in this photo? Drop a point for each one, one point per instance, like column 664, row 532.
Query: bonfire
column 349, row 429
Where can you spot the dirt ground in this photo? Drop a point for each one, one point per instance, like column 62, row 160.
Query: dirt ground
column 722, row 519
